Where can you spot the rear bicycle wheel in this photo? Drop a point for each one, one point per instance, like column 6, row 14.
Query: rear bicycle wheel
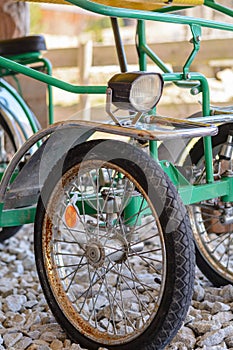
column 114, row 250
column 8, row 150
column 213, row 240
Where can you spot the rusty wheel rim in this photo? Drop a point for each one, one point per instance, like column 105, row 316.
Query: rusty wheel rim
column 108, row 282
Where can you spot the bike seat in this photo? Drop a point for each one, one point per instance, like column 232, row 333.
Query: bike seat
column 17, row 46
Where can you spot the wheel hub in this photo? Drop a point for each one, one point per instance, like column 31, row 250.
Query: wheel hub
column 113, row 249
column 95, row 253
column 218, row 220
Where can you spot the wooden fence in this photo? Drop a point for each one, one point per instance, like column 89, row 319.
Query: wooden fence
column 214, row 55
column 171, row 52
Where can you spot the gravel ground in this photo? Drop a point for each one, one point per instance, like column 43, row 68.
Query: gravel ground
column 27, row 323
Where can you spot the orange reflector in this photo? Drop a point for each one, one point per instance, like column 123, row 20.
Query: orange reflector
column 71, row 217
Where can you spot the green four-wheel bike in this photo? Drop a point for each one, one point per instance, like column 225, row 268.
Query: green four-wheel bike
column 114, row 222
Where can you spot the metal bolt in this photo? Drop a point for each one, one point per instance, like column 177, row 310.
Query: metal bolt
column 195, row 91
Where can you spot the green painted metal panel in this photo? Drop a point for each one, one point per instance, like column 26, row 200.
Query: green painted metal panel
column 16, row 217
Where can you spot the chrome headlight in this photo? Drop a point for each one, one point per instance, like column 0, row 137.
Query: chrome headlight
column 136, row 91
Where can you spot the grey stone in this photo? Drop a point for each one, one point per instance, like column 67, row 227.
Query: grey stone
column 202, row 327
column 48, row 336
column 177, row 346
column 213, row 291
column 198, row 293
column 32, row 294
column 23, row 343
column 106, row 325
column 67, row 343
column 7, row 258
column 56, row 345
column 213, row 298
column 15, row 302
column 186, row 336
column 18, row 267
column 195, row 313
column 33, row 347
column 10, row 339
column 27, row 323
column 206, row 305
column 33, row 318
column 2, row 316
column 223, row 317
column 222, row 346
column 219, row 307
column 7, row 287
column 215, row 337
column 29, row 262
column 41, row 342
column 16, row 320
column 29, row 304
column 110, row 313
column 229, row 341
column 227, row 293
column 75, row 347
column 206, row 316
column 34, row 334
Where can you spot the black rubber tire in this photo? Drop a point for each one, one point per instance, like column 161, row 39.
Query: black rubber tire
column 8, row 232
column 177, row 236
column 7, row 130
column 211, row 270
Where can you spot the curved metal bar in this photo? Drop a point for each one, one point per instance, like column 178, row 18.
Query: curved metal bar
column 218, row 7
column 148, row 15
column 45, row 78
column 18, row 156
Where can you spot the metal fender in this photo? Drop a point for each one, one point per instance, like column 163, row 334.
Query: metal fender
column 57, row 140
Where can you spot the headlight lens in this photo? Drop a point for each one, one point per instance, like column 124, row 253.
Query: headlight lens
column 137, row 91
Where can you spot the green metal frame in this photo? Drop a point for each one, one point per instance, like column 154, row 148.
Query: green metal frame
column 195, row 81
column 27, row 59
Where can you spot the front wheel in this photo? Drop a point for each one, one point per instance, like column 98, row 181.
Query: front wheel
column 114, row 248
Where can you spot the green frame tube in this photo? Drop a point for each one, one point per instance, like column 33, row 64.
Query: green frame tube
column 110, row 11
column 48, row 67
column 49, row 80
column 26, row 59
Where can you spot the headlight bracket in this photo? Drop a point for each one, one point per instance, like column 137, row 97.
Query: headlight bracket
column 136, row 92
column 117, row 121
